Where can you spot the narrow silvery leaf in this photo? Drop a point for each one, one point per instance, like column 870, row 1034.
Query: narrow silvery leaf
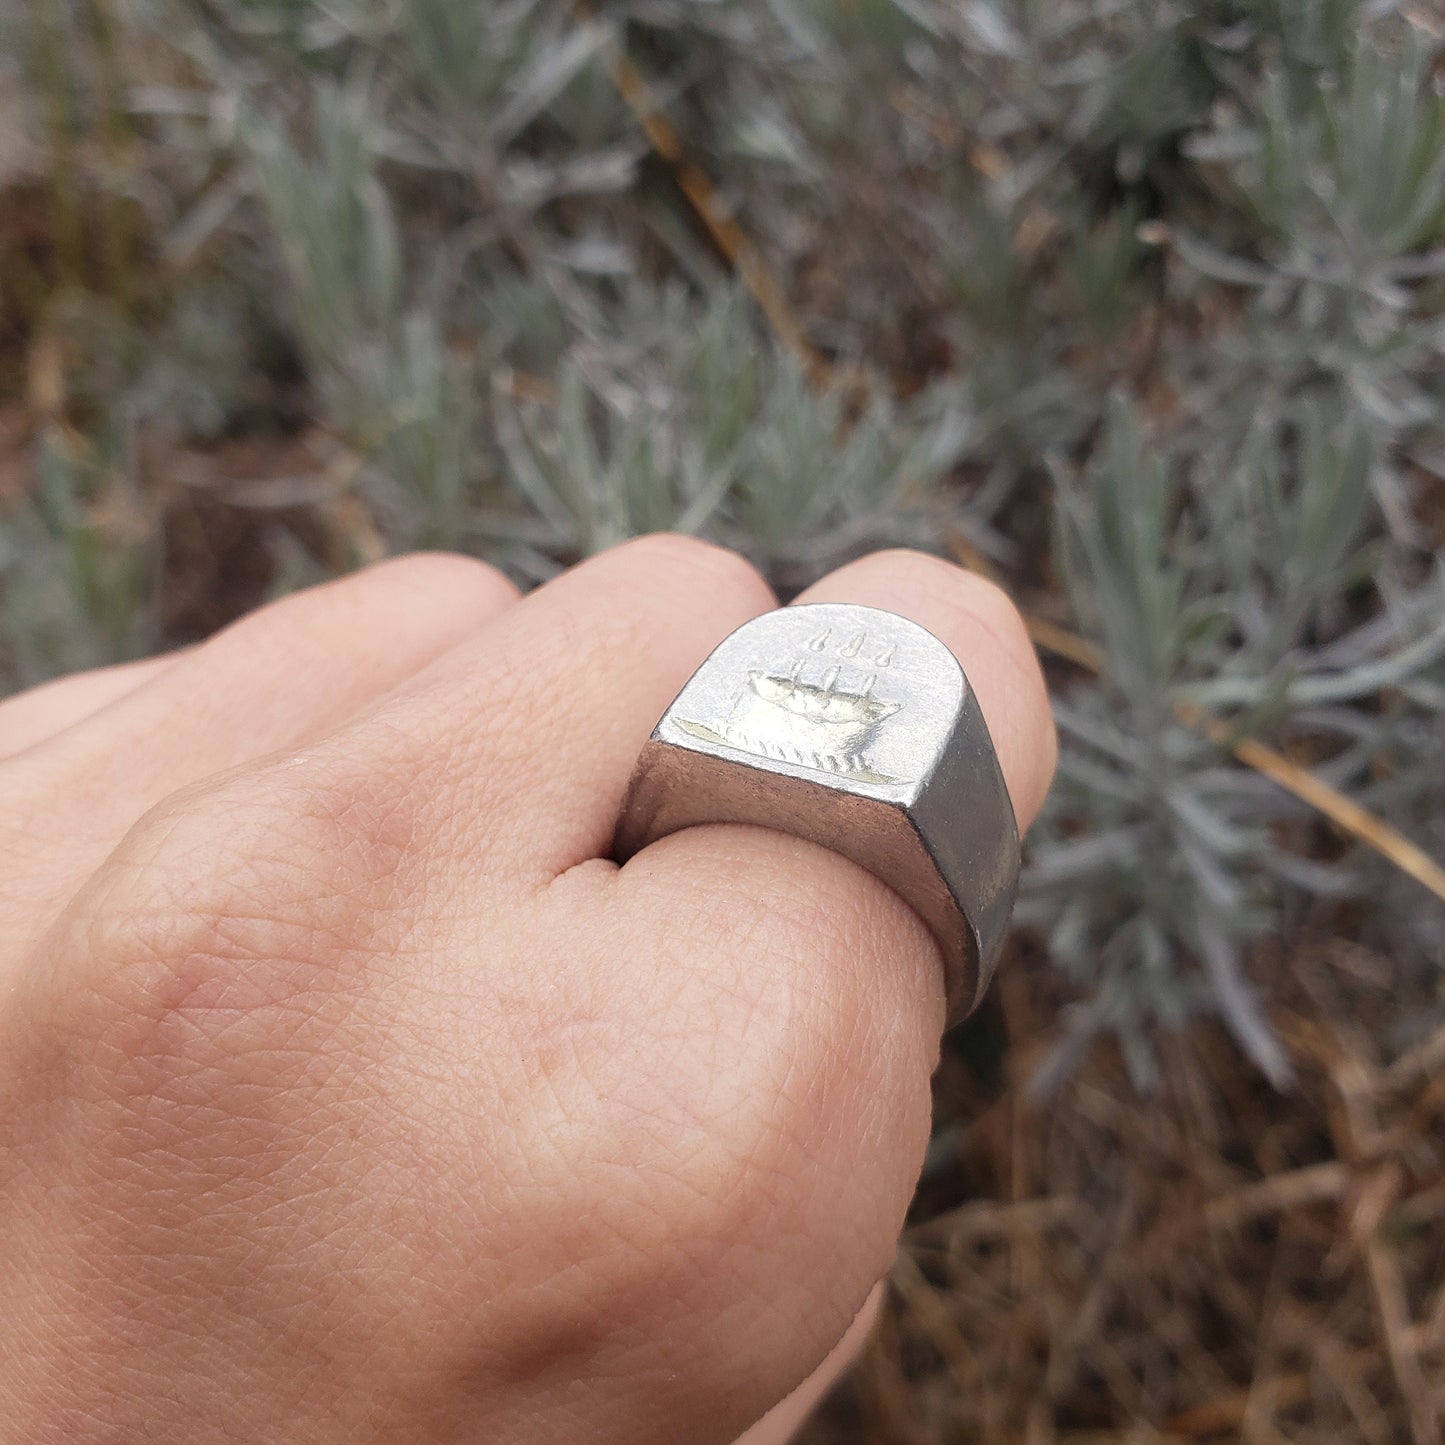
column 548, row 76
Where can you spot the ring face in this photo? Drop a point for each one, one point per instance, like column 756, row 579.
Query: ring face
column 856, row 729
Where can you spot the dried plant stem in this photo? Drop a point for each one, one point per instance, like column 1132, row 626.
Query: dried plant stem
column 1063, row 643
column 987, row 1219
column 1394, row 1314
column 703, row 197
column 933, row 1315
column 1348, row 816
column 1313, row 1184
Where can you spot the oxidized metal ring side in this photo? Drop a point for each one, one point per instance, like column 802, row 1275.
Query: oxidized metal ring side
column 856, row 729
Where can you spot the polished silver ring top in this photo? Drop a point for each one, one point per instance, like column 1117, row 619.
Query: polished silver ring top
column 856, row 729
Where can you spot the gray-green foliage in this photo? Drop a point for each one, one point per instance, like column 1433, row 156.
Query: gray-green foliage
column 686, row 420
column 1142, row 298
column 77, row 563
column 1211, row 597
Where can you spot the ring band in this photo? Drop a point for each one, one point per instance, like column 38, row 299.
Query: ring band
column 856, row 729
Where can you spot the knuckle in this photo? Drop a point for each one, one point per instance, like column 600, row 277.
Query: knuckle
column 977, row 597
column 355, row 829
column 445, row 575
column 990, row 607
column 685, row 561
column 980, row 605
column 229, row 914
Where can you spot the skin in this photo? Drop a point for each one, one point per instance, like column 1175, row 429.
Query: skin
column 349, row 1092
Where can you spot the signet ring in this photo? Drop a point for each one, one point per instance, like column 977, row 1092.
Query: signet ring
column 855, row 729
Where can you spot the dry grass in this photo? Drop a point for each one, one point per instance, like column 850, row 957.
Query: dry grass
column 1220, row 1262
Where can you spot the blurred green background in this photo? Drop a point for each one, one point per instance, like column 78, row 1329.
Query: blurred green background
column 1136, row 307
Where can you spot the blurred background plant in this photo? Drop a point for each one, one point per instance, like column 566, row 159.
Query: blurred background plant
column 1134, row 306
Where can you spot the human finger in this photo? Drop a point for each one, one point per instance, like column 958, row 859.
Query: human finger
column 277, row 678
column 539, row 721
column 782, row 1422
column 985, row 631
column 38, row 713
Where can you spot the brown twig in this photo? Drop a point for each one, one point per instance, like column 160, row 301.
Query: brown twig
column 1392, row 1305
column 987, row 1219
column 721, row 225
column 1313, row 1184
column 1226, row 1412
column 1348, row 816
column 931, row 1313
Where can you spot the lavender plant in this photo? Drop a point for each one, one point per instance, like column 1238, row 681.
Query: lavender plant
column 690, row 421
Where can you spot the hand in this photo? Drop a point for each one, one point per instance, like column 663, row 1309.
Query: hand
column 347, row 1090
